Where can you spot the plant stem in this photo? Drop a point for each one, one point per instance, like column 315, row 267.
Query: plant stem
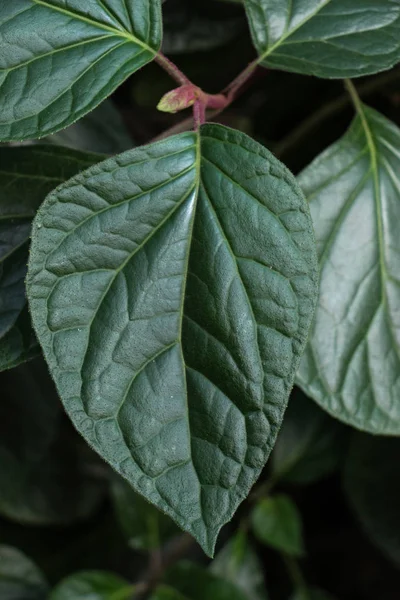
column 233, row 88
column 172, row 69
column 296, row 576
column 199, row 113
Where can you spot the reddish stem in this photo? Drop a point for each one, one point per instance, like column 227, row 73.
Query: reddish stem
column 172, row 69
column 199, row 113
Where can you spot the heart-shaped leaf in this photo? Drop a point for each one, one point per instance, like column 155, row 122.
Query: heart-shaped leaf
column 327, row 38
column 352, row 362
column 27, row 175
column 61, row 58
column 172, row 289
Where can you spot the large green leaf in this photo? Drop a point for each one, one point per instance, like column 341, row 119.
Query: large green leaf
column 327, row 38
column 352, row 362
column 93, row 585
column 27, row 175
column 172, row 290
column 372, row 486
column 20, row 579
column 61, row 58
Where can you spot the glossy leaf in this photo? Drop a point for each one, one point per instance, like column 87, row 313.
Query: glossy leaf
column 145, row 527
column 352, row 362
column 93, row 585
column 238, row 563
column 326, row 38
column 371, row 482
column 46, row 476
column 172, row 290
column 277, row 522
column 310, row 444
column 20, row 578
column 60, row 60
column 27, row 175
column 196, row 583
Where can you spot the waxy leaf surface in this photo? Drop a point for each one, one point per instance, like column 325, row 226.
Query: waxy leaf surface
column 60, row 58
column 27, row 175
column 172, row 290
column 326, row 38
column 352, row 362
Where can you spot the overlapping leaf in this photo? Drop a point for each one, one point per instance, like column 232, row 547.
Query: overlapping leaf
column 60, row 58
column 172, row 290
column 327, row 38
column 352, row 362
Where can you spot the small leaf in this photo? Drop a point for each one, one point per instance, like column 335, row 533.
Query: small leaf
column 371, row 483
column 45, row 474
column 326, row 38
column 145, row 527
column 93, row 585
column 277, row 522
column 20, row 578
column 352, row 362
column 310, row 444
column 196, row 583
column 59, row 60
column 27, row 175
column 172, row 290
column 238, row 563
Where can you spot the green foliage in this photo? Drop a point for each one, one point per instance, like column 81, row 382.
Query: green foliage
column 177, row 389
column 20, row 579
column 351, row 366
column 51, row 80
column 276, row 522
column 93, row 585
column 312, row 594
column 326, row 38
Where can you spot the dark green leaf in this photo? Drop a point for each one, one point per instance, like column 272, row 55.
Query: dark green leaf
column 102, row 130
column 326, row 38
column 372, row 485
column 352, row 362
column 163, row 592
column 277, row 522
column 145, row 527
column 93, row 585
column 238, row 563
column 20, row 579
column 312, row 594
column 196, row 583
column 310, row 443
column 45, row 472
column 172, row 290
column 27, row 175
column 59, row 60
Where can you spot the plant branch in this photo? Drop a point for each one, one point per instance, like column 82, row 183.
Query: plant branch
column 172, row 70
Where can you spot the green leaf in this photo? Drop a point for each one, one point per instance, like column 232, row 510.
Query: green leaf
column 93, row 585
column 238, row 563
column 163, row 592
column 310, row 444
column 45, row 472
column 352, row 362
column 27, row 175
column 102, row 130
column 20, row 579
column 326, row 38
column 196, row 583
column 59, row 60
column 172, row 290
column 371, row 483
column 312, row 594
column 277, row 522
column 145, row 527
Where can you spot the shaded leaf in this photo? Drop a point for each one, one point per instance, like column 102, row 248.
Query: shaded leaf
column 196, row 583
column 93, row 585
column 163, row 592
column 45, row 474
column 372, row 486
column 238, row 563
column 310, row 444
column 20, row 578
column 59, row 60
column 312, row 594
column 352, row 362
column 145, row 527
column 326, row 38
column 27, row 175
column 172, row 289
column 277, row 522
